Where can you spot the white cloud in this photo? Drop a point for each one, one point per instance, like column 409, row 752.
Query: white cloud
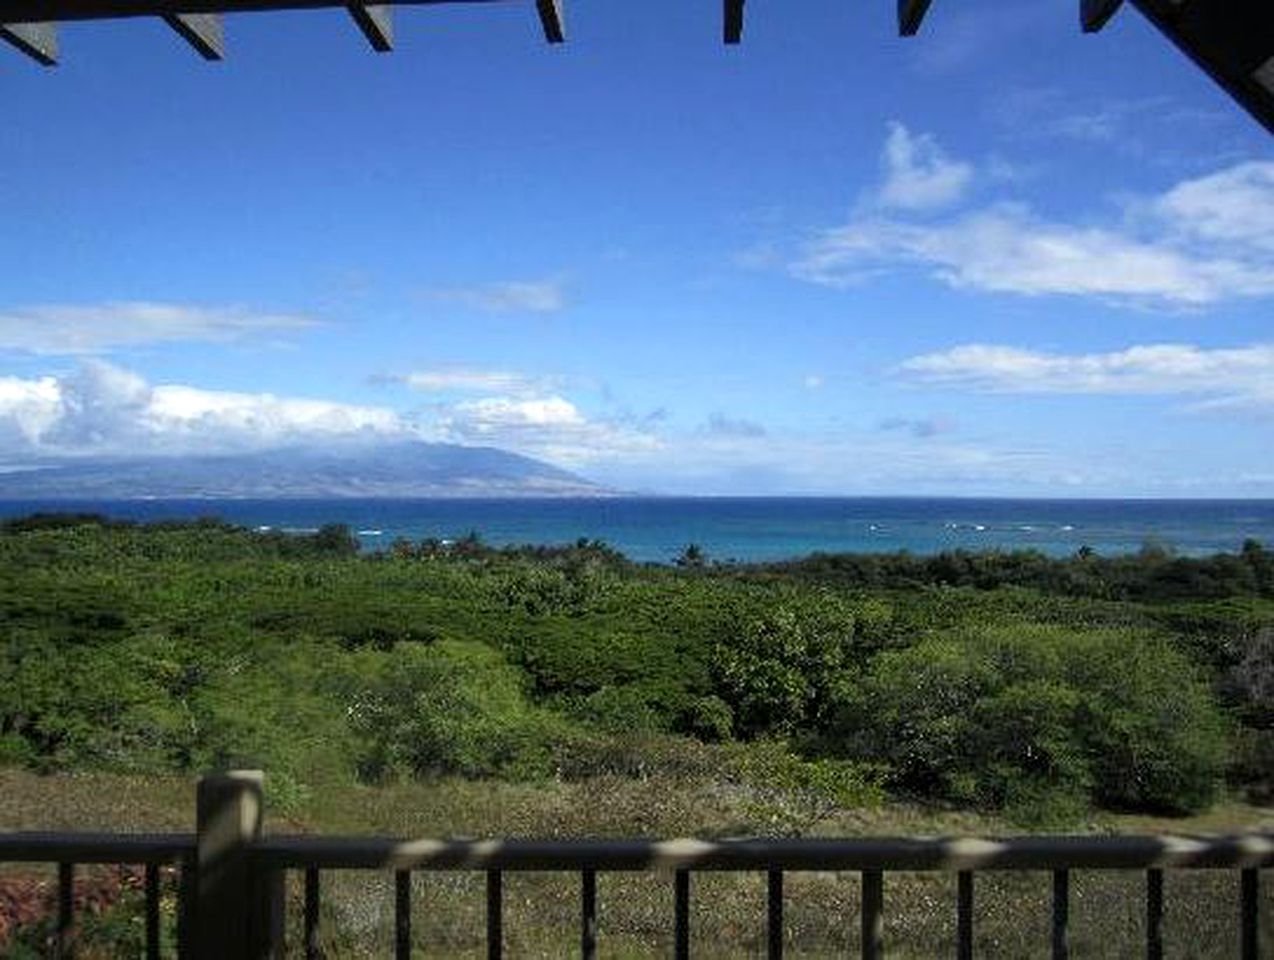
column 469, row 380
column 813, row 381
column 496, row 413
column 1228, row 378
column 1007, row 250
column 550, row 427
column 1234, row 206
column 263, row 418
column 28, row 408
column 513, row 296
column 1202, row 241
column 918, row 174
column 81, row 329
column 103, row 409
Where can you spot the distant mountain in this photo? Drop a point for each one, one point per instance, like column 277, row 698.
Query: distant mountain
column 397, row 469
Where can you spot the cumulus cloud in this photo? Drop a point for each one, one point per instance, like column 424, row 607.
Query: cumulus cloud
column 28, row 409
column 103, row 409
column 1202, row 241
column 918, row 175
column 82, row 329
column 525, row 413
column 512, row 296
column 1237, row 377
column 550, row 427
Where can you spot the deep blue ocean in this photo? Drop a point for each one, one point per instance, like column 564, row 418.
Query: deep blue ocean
column 748, row 528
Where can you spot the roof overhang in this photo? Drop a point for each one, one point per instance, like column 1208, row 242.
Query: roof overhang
column 1232, row 40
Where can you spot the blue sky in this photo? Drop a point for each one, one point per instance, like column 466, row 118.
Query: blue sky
column 1000, row 258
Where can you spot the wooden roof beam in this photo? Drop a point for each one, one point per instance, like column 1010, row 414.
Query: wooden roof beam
column 911, row 13
column 203, row 31
column 376, row 22
column 732, row 21
column 39, row 41
column 1093, row 14
column 551, row 20
column 1232, row 40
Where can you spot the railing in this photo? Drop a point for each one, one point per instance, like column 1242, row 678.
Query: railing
column 231, row 892
column 153, row 851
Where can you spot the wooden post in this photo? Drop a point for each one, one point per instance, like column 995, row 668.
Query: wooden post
column 228, row 820
column 269, row 899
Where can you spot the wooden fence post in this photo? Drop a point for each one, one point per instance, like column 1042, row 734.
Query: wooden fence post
column 226, row 910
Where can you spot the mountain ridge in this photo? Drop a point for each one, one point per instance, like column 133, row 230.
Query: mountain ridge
column 403, row 469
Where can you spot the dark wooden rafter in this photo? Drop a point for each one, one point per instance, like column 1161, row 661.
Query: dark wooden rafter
column 20, row 11
column 375, row 20
column 732, row 21
column 551, row 20
column 203, row 31
column 1231, row 40
column 39, row 41
column 1094, row 14
column 911, row 13
column 29, row 24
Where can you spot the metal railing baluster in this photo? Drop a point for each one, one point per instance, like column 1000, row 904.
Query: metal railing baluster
column 313, row 950
column 66, row 910
column 588, row 915
column 152, row 911
column 1061, row 914
column 1250, row 913
column 1154, row 914
column 402, row 915
column 495, row 915
column 187, row 891
column 774, row 914
column 681, row 915
column 964, row 915
column 873, row 932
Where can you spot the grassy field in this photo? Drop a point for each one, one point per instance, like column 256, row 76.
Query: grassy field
column 541, row 910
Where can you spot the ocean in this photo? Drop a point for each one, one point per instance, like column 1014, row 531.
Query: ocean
column 657, row 529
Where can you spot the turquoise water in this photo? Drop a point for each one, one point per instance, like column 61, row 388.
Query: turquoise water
column 769, row 528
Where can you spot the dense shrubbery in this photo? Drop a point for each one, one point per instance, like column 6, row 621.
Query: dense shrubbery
column 1006, row 716
column 453, row 707
column 1154, row 574
column 1005, row 681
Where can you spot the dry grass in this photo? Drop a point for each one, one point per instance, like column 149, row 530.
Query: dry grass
column 541, row 910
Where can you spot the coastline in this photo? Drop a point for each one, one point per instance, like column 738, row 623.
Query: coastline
column 656, row 529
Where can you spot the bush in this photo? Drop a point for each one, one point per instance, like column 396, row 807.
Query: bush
column 1002, row 715
column 785, row 669
column 792, row 795
column 453, row 707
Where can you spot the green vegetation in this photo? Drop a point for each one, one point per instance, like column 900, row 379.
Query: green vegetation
column 1007, row 682
column 454, row 688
